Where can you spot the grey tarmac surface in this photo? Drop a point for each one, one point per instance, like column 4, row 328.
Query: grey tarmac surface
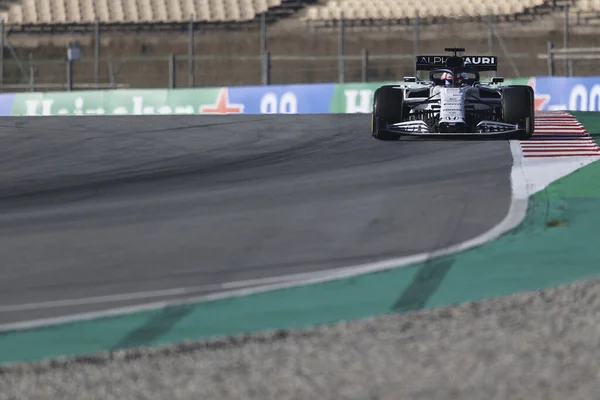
column 101, row 206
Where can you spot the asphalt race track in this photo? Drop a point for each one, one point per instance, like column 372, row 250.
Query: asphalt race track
column 105, row 206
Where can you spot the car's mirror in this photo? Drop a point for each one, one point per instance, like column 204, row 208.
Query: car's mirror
column 497, row 79
column 410, row 79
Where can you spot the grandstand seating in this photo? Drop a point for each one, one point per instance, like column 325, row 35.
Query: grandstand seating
column 133, row 11
column 57, row 12
column 401, row 9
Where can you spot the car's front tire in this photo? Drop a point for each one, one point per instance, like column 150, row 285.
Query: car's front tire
column 518, row 108
column 388, row 104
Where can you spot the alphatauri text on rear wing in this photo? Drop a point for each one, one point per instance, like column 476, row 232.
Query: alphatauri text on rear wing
column 476, row 63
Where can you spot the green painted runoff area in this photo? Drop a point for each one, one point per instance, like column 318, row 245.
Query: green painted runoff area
column 550, row 247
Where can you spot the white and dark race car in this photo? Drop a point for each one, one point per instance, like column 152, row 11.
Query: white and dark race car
column 453, row 102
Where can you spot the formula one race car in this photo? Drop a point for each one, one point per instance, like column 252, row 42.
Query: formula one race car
column 453, row 102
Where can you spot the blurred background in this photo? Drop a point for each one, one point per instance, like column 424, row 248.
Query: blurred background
column 89, row 44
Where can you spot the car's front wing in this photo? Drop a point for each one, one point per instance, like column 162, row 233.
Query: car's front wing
column 487, row 129
column 508, row 134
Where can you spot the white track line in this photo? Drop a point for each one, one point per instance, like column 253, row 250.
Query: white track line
column 153, row 294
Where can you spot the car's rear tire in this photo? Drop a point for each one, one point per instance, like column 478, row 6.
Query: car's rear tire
column 388, row 105
column 517, row 108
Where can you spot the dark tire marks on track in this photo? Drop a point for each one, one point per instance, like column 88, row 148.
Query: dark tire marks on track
column 97, row 206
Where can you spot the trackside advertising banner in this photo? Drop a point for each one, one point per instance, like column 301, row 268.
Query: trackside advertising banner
column 577, row 94
column 284, row 99
column 573, row 94
column 235, row 100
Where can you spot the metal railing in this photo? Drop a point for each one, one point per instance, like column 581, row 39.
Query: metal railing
column 180, row 71
column 568, row 55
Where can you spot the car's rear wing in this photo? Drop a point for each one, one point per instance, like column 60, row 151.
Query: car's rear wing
column 476, row 63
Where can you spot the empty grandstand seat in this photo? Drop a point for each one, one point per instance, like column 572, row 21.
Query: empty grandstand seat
column 232, row 10
column 261, row 6
column 131, row 12
column 30, row 14
column 88, row 11
column 160, row 10
column 247, row 10
column 44, row 9
column 59, row 11
column 14, row 14
column 203, row 11
column 217, row 10
column 179, row 11
column 116, row 11
column 73, row 11
column 312, row 13
column 145, row 10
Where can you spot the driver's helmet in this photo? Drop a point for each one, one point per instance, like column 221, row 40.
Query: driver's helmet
column 460, row 78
